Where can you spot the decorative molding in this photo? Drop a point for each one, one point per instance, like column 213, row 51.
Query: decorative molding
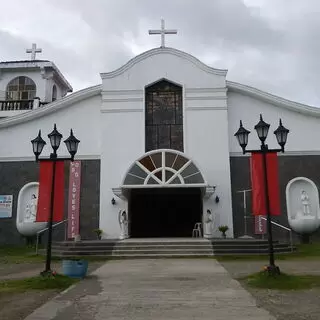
column 205, row 108
column 165, row 50
column 32, row 158
column 204, row 98
column 118, row 193
column 133, row 99
column 206, row 90
column 210, row 190
column 52, row 107
column 121, row 92
column 276, row 100
column 286, row 153
column 43, row 72
column 121, row 110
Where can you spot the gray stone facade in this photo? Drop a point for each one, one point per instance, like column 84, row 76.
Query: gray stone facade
column 14, row 175
column 289, row 168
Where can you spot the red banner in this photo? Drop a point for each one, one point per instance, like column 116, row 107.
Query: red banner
column 45, row 186
column 257, row 181
column 260, row 225
column 74, row 199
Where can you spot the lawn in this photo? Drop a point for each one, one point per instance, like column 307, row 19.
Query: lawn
column 283, row 281
column 12, row 254
column 18, row 255
column 36, row 283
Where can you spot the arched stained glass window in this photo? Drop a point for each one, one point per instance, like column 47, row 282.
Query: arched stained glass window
column 21, row 88
column 163, row 167
column 164, row 116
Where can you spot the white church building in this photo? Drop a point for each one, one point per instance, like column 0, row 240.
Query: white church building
column 157, row 143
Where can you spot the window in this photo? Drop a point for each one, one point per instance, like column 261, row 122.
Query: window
column 164, row 118
column 21, row 88
column 54, row 92
column 161, row 167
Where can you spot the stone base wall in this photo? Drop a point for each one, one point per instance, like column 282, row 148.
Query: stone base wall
column 289, row 168
column 14, row 175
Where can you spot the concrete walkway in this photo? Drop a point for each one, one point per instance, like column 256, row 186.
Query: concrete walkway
column 155, row 289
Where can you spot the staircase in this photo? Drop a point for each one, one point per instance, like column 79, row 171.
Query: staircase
column 165, row 248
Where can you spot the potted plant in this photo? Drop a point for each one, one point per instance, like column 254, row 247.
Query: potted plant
column 98, row 232
column 223, row 230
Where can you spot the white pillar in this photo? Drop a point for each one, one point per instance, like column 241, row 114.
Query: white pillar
column 36, row 103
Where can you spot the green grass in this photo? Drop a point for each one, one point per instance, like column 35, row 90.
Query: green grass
column 36, row 283
column 15, row 255
column 304, row 251
column 283, row 281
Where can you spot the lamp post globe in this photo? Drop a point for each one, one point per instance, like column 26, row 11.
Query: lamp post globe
column 55, row 138
column 37, row 145
column 262, row 129
column 242, row 135
column 72, row 144
column 281, row 134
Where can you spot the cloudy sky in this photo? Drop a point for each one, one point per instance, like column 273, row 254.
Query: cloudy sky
column 273, row 45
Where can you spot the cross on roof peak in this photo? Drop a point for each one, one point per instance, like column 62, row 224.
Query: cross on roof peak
column 34, row 50
column 163, row 32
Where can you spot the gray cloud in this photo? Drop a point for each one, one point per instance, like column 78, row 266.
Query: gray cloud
column 270, row 44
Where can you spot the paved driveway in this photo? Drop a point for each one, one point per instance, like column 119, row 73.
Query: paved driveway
column 155, row 289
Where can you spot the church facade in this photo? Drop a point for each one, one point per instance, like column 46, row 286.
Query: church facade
column 157, row 151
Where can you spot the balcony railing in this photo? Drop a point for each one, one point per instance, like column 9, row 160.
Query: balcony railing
column 13, row 105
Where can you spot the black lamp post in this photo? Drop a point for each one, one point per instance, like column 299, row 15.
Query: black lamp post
column 281, row 134
column 38, row 144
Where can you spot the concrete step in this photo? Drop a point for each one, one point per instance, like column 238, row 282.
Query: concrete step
column 169, row 246
column 162, row 242
column 157, row 248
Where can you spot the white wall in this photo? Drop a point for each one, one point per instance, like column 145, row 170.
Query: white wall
column 123, row 130
column 304, row 129
column 83, row 117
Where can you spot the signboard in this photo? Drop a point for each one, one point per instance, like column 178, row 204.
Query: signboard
column 74, row 199
column 6, row 206
column 260, row 225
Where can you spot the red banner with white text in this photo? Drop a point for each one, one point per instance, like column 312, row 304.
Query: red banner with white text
column 45, row 190
column 258, row 184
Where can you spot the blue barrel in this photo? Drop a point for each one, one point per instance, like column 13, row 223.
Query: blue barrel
column 74, row 268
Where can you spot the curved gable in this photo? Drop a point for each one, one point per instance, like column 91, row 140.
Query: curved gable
column 157, row 51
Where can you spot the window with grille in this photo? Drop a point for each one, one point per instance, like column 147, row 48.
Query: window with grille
column 21, row 88
column 164, row 116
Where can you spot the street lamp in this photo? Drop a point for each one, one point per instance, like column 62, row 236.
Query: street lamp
column 281, row 133
column 38, row 144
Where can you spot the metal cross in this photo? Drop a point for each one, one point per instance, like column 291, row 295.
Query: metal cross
column 163, row 32
column 34, row 50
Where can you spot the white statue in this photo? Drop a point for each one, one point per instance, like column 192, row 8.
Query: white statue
column 31, row 209
column 207, row 224
column 124, row 224
column 305, row 203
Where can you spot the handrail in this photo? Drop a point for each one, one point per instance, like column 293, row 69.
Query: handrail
column 45, row 229
column 283, row 227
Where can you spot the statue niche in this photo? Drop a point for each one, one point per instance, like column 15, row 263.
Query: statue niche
column 303, row 209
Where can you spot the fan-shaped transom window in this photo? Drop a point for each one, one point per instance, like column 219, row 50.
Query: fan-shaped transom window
column 163, row 167
column 21, row 88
